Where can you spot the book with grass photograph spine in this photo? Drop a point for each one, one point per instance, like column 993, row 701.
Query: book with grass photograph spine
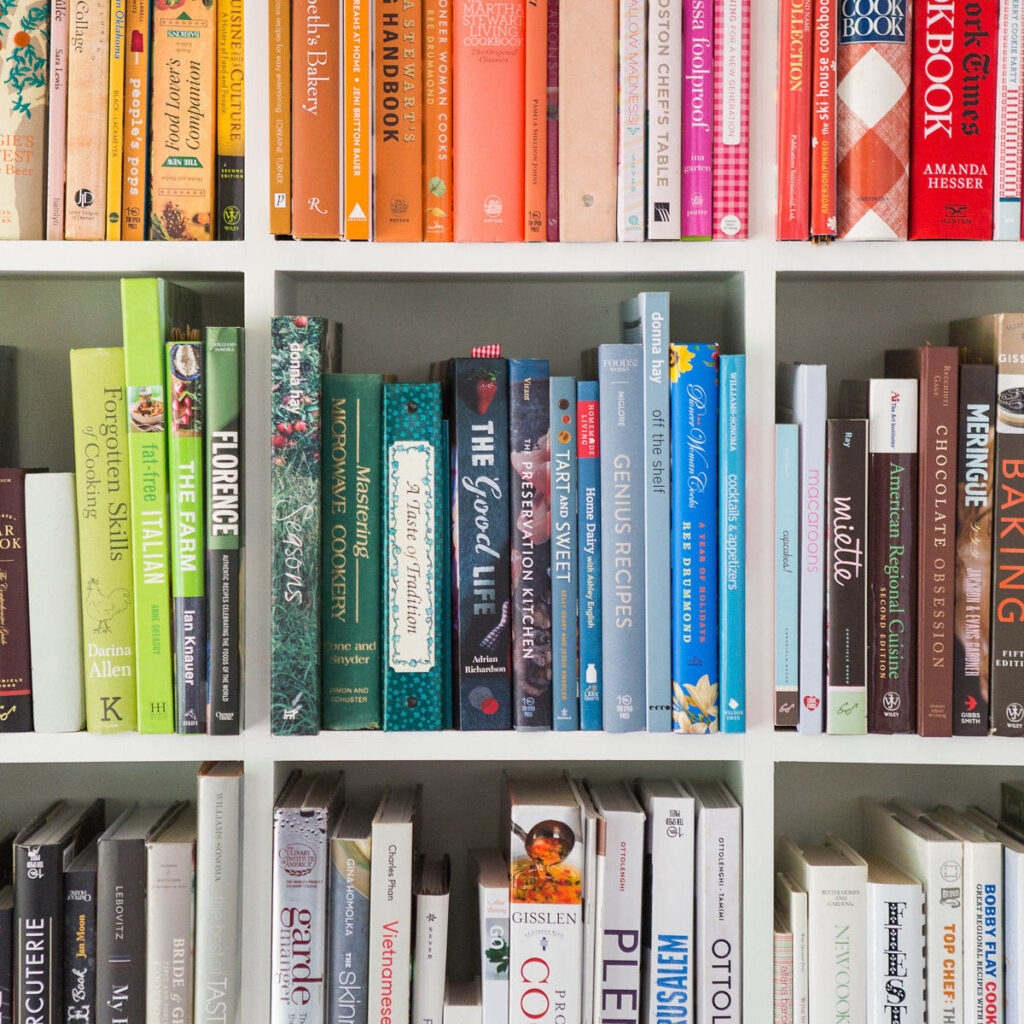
column 136, row 121
column 280, row 115
column 565, row 714
column 15, row 652
column 79, row 888
column 225, row 526
column 57, row 119
column 787, row 574
column 186, row 415
column 115, row 119
column 588, row 574
column 104, row 537
column 230, row 120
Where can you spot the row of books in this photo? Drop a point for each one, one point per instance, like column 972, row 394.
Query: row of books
column 925, row 925
column 896, row 568
column 497, row 121
column 138, row 920
column 898, row 120
column 122, row 119
column 138, row 555
column 502, row 548
column 605, row 895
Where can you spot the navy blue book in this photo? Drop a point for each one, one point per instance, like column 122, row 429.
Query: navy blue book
column 588, row 544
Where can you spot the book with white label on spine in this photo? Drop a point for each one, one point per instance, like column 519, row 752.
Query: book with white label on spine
column 664, row 119
column 431, row 888
column 791, row 903
column 393, row 837
column 491, row 871
column 593, row 892
column 668, row 961
column 718, row 874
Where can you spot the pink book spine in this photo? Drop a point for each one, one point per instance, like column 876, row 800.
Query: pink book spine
column 56, row 143
column 731, row 153
column 698, row 70
column 552, row 234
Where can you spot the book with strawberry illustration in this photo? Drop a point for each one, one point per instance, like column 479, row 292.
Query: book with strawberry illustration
column 476, row 402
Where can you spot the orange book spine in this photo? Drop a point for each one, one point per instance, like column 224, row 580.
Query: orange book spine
column 437, row 121
column 398, row 136
column 358, row 117
column 136, row 121
column 536, row 108
column 316, row 120
column 280, row 118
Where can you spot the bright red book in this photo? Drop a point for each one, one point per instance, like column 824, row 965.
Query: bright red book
column 794, row 107
column 953, row 119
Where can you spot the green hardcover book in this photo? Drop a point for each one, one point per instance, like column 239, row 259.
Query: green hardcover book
column 188, row 525
column 225, row 525
column 104, row 537
column 150, row 309
column 351, row 550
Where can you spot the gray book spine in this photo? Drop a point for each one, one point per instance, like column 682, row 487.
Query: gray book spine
column 121, row 932
column 350, row 931
column 170, row 869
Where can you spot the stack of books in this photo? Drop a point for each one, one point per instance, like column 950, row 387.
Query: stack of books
column 553, row 917
column 498, row 121
column 502, row 548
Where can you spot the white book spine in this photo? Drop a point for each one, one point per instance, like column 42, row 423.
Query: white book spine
column 1009, row 110
column 218, row 899
column 664, row 119
column 593, row 898
column 51, row 551
column 431, row 958
column 719, row 905
column 895, row 953
column 944, row 924
column 983, row 932
column 1013, row 907
column 836, row 926
column 632, row 119
column 169, row 953
column 57, row 113
column 494, row 948
column 390, row 922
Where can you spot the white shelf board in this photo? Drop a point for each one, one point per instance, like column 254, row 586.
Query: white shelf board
column 909, row 750
column 85, row 747
column 123, row 257
column 897, row 257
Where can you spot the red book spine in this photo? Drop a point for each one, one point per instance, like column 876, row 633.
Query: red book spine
column 794, row 103
column 823, row 122
column 15, row 670
column 953, row 117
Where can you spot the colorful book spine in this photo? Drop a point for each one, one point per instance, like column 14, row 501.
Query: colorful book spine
column 351, row 527
column 230, row 120
column 731, row 150
column 552, row 122
column 437, row 121
column 793, row 216
column 588, row 473
column 535, row 173
column 186, row 416
column 623, row 611
column 15, row 652
column 693, row 376
column 1009, row 123
column 953, row 120
column 972, row 595
column 349, row 925
column 280, row 112
column 477, row 411
column 358, row 110
column 104, row 537
column 698, row 109
column 57, row 121
column 529, row 515
column 632, row 119
column 136, row 121
column 823, row 121
column 115, row 119
column 225, row 525
column 416, row 547
column 398, row 121
column 664, row 119
column 732, row 543
column 787, row 574
column 182, row 156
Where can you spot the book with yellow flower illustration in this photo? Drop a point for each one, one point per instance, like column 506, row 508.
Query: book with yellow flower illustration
column 693, row 401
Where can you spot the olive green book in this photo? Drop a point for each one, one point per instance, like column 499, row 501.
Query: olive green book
column 103, row 494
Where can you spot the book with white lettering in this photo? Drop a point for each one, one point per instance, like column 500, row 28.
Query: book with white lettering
column 491, row 870
column 432, row 888
column 79, row 937
column 791, row 904
column 349, row 927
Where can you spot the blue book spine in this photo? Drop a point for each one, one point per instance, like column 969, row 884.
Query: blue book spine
column 564, row 667
column 349, row 931
column 732, row 528
column 787, row 574
column 588, row 472
column 693, row 378
column 623, row 653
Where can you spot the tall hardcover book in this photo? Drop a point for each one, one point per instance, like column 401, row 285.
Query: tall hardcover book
column 535, row 176
column 552, row 123
column 437, row 121
column 477, row 396
column 57, row 120
column 490, row 870
column 530, row 519
column 79, row 887
column 230, row 185
column 698, row 112
column 1009, row 124
column 632, row 142
column 280, row 114
column 588, row 574
column 51, row 552
column 731, row 151
column 104, row 538
column 693, row 375
column 972, row 584
column 488, row 55
column 793, row 216
column 351, row 617
column 823, row 120
column 664, row 119
column 15, row 648
column 953, row 120
column 892, row 557
column 181, row 185
column 115, row 119
column 398, row 121
column 302, row 348
column 135, row 168
column 787, row 574
column 349, row 922
column 564, row 541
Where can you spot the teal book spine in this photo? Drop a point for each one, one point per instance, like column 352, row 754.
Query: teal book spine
column 787, row 574
column 416, row 545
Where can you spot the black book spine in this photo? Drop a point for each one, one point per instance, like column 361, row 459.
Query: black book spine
column 6, row 965
column 39, row 933
column 15, row 659
column 121, row 932
column 79, row 947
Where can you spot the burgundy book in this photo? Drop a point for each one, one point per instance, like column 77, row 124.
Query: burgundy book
column 936, row 370
column 15, row 664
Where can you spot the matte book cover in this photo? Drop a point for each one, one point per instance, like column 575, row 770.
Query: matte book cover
column 793, row 217
column 230, row 120
column 79, row 912
column 15, row 647
column 787, row 574
column 588, row 504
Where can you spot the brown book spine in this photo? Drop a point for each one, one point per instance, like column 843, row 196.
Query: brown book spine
column 398, row 124
column 280, row 118
column 437, row 125
column 15, row 665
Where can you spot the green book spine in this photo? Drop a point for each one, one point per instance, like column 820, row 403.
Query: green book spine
column 225, row 525
column 351, row 551
column 188, row 563
column 104, row 537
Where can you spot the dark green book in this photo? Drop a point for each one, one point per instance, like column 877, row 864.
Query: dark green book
column 351, row 550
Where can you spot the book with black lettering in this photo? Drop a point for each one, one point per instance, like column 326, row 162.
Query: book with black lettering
column 80, row 936
column 972, row 594
column 892, row 556
column 15, row 657
column 477, row 409
column 121, row 914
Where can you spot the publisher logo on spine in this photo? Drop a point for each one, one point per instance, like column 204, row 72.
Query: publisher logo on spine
column 297, row 859
column 873, row 21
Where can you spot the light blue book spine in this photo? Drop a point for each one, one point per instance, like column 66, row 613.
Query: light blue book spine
column 693, row 385
column 349, row 931
column 623, row 646
column 564, row 668
column 732, row 529
column 787, row 573
column 588, row 542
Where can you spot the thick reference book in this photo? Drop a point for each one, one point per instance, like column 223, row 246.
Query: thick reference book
column 588, row 546
column 80, row 891
column 787, row 574
column 15, row 651
column 432, row 891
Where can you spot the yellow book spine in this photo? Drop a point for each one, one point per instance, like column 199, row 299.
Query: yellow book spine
column 357, row 137
column 115, row 119
column 281, row 117
column 136, row 120
column 230, row 120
